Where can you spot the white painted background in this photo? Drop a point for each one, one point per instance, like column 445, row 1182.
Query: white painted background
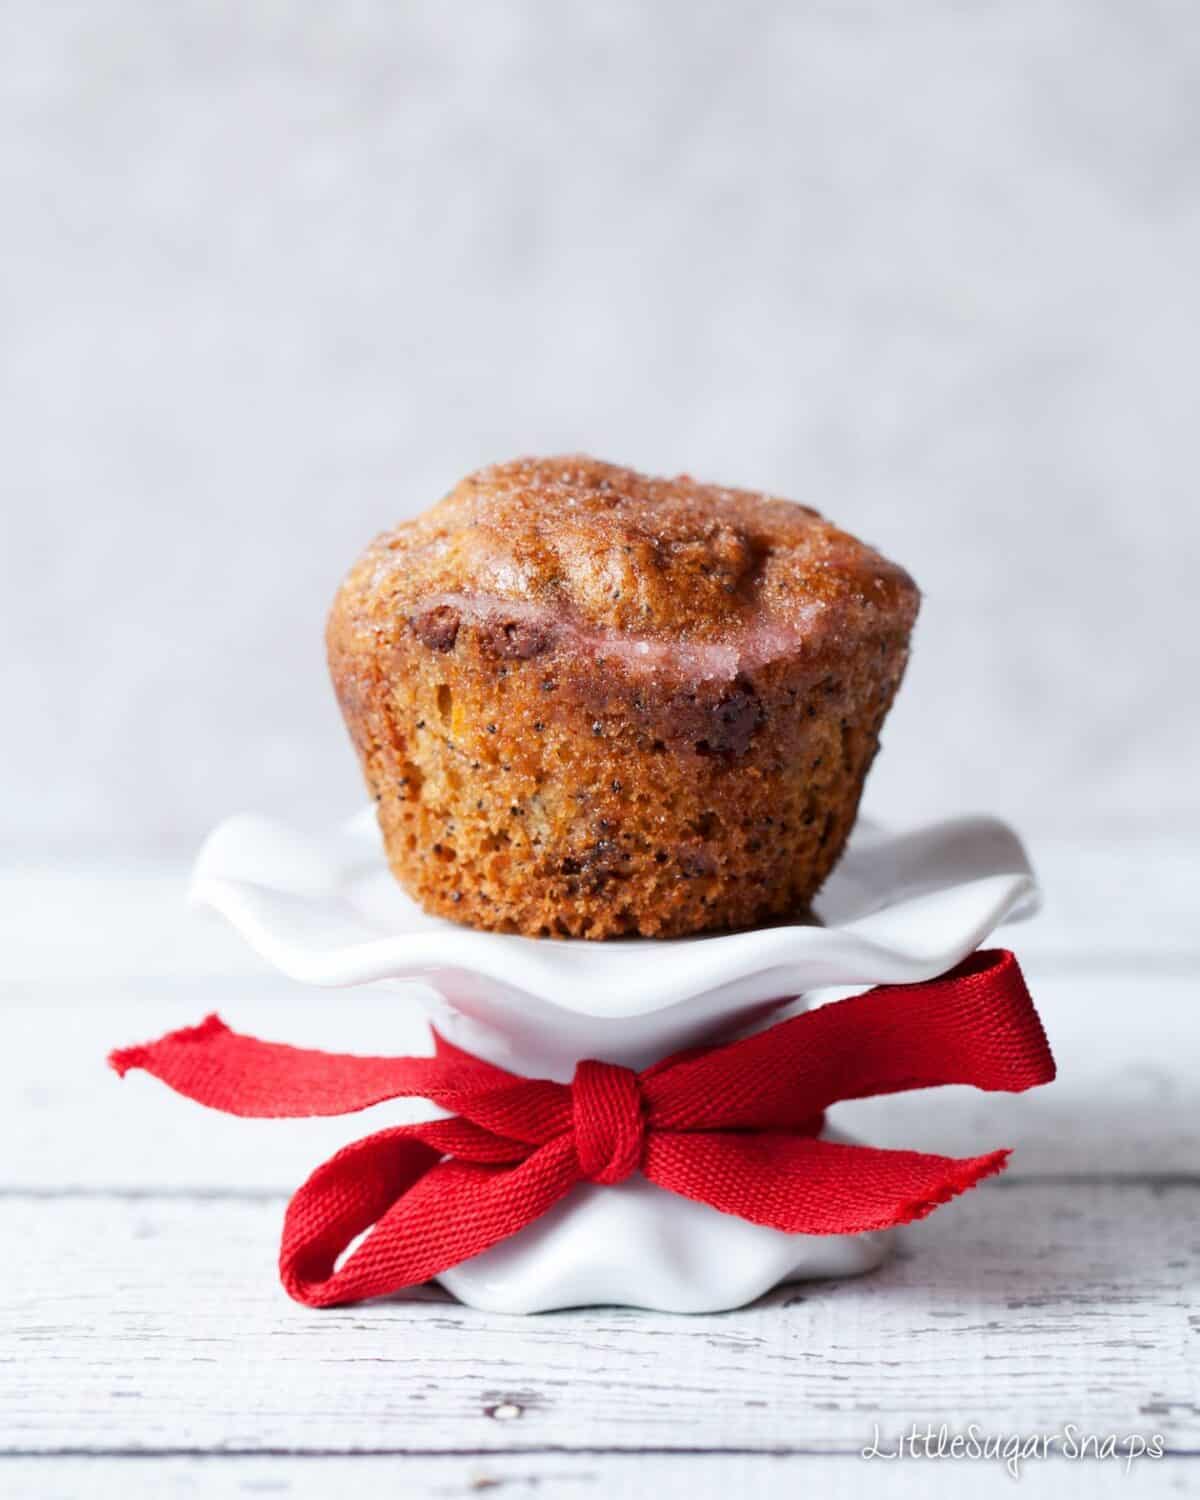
column 275, row 275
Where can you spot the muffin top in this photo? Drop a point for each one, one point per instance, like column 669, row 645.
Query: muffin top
column 598, row 555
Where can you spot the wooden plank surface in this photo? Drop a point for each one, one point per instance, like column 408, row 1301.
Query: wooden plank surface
column 583, row 1475
column 145, row 1345
column 145, row 1323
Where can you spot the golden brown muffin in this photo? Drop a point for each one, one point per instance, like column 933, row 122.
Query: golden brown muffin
column 590, row 702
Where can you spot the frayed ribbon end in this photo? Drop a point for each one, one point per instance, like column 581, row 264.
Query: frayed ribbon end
column 968, row 1174
column 138, row 1056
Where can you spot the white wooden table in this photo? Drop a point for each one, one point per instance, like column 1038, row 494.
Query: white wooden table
column 145, row 1345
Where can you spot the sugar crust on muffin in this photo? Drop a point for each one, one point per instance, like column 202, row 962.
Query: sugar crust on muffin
column 590, row 702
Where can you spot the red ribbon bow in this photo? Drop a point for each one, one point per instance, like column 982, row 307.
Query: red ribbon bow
column 735, row 1126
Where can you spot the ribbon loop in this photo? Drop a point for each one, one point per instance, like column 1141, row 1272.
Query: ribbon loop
column 609, row 1125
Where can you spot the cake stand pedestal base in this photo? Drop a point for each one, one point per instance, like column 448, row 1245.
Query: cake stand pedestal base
column 633, row 1244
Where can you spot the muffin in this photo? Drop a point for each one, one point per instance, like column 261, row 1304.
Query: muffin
column 588, row 702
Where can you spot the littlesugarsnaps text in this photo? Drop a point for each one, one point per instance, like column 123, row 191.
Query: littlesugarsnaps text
column 1013, row 1449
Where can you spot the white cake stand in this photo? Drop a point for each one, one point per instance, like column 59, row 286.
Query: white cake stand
column 899, row 908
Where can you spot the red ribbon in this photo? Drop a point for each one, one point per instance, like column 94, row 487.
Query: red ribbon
column 735, row 1126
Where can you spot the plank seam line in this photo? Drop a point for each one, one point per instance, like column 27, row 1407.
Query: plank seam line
column 536, row 1450
column 1155, row 1181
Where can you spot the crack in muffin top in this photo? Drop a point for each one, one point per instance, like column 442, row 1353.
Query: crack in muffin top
column 631, row 563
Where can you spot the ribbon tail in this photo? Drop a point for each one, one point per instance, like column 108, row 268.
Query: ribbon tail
column 428, row 1214
column 803, row 1185
column 241, row 1075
